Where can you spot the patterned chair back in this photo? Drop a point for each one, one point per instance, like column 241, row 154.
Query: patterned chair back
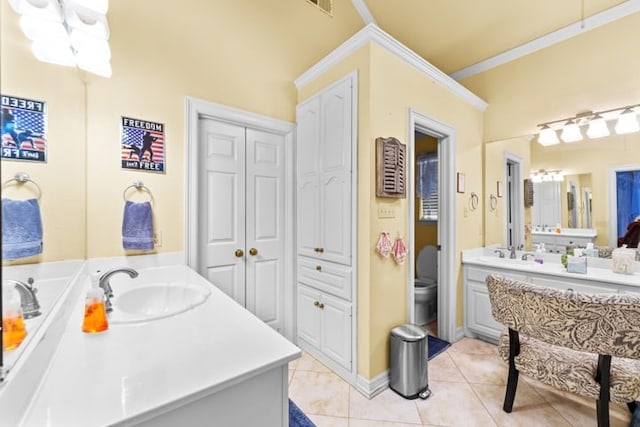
column 595, row 323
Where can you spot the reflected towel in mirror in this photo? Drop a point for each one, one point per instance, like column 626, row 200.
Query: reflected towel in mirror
column 137, row 226
column 21, row 228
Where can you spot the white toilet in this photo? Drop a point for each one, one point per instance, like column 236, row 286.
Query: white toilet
column 426, row 286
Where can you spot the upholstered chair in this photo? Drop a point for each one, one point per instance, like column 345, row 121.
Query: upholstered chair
column 587, row 344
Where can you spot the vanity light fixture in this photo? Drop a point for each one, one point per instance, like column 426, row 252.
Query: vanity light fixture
column 547, row 176
column 627, row 122
column 548, row 136
column 68, row 32
column 597, row 127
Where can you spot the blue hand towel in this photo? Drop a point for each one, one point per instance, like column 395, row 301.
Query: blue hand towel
column 21, row 229
column 137, row 226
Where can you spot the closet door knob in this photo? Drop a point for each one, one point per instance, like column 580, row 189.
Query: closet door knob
column 321, row 250
column 319, row 267
column 239, row 253
column 253, row 252
column 321, row 306
column 316, row 303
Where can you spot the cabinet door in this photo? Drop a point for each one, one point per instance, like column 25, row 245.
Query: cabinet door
column 479, row 317
column 336, row 128
column 309, row 315
column 335, row 217
column 336, row 330
column 308, row 200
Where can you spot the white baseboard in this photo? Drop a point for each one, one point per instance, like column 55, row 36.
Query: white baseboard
column 370, row 388
column 459, row 334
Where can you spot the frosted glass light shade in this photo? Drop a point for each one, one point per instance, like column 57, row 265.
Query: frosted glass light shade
column 627, row 122
column 53, row 51
column 571, row 132
column 597, row 127
column 547, row 136
column 86, row 20
column 99, row 6
column 35, row 28
column 45, row 9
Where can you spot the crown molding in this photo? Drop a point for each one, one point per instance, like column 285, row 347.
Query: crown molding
column 364, row 11
column 594, row 21
column 373, row 34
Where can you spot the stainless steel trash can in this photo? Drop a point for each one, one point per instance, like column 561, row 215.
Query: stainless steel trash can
column 408, row 359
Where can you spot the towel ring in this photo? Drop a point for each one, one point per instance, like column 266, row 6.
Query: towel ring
column 493, row 202
column 138, row 185
column 473, row 201
column 22, row 178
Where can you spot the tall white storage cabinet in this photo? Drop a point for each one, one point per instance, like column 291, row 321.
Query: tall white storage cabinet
column 326, row 225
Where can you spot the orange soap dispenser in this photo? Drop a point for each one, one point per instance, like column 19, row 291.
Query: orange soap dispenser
column 95, row 313
column 13, row 327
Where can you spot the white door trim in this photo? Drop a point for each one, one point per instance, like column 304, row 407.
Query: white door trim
column 613, row 201
column 518, row 198
column 447, row 285
column 196, row 108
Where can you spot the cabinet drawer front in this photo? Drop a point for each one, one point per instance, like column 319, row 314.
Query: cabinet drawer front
column 480, row 274
column 575, row 285
column 328, row 277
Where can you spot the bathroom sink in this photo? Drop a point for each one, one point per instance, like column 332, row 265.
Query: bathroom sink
column 156, row 301
column 506, row 262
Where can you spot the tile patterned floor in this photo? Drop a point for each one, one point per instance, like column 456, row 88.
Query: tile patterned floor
column 468, row 384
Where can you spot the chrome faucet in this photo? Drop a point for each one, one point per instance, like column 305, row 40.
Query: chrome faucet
column 28, row 300
column 103, row 282
column 526, row 254
column 512, row 252
column 499, row 252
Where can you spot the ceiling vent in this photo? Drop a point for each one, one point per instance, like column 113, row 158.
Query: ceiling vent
column 324, row 5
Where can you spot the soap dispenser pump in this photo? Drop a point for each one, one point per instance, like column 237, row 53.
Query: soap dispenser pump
column 95, row 313
column 539, row 251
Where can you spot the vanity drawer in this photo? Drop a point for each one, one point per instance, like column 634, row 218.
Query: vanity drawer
column 480, row 274
column 326, row 276
column 575, row 285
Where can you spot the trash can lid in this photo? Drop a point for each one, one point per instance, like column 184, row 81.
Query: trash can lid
column 409, row 332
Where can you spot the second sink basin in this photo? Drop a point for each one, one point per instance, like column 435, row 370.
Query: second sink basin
column 156, row 301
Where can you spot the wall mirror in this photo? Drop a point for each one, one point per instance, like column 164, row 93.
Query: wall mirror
column 587, row 167
column 61, row 178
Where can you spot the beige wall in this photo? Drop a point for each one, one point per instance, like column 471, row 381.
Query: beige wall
column 240, row 53
column 595, row 71
column 388, row 87
column 595, row 157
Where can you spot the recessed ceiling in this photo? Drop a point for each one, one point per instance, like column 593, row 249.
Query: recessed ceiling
column 453, row 35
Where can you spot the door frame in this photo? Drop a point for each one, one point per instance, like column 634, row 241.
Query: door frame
column 517, row 199
column 195, row 109
column 613, row 200
column 447, row 295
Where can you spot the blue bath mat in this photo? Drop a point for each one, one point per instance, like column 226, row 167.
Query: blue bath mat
column 436, row 346
column 297, row 418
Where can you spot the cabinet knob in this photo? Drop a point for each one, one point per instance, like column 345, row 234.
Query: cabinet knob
column 319, row 267
column 253, row 252
column 316, row 303
column 321, row 306
column 239, row 253
column 570, row 289
column 321, row 250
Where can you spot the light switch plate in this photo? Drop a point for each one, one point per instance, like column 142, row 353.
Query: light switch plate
column 386, row 212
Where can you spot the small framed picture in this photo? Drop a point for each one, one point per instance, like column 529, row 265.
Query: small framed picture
column 460, row 182
column 499, row 189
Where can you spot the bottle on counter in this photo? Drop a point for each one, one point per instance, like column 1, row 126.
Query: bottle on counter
column 539, row 255
column 13, row 327
column 95, row 313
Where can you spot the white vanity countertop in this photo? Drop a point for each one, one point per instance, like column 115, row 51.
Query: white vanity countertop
column 595, row 272
column 142, row 370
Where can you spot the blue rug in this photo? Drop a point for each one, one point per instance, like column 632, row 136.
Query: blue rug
column 297, row 418
column 436, row 346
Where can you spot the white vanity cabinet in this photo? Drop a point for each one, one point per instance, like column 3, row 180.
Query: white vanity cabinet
column 478, row 320
column 325, row 225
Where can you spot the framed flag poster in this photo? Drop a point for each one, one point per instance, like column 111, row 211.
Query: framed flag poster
column 142, row 145
column 23, row 124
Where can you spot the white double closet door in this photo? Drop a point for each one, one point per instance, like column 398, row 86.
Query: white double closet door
column 241, row 216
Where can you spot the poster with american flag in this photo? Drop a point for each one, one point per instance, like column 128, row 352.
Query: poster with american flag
column 23, row 124
column 142, row 145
